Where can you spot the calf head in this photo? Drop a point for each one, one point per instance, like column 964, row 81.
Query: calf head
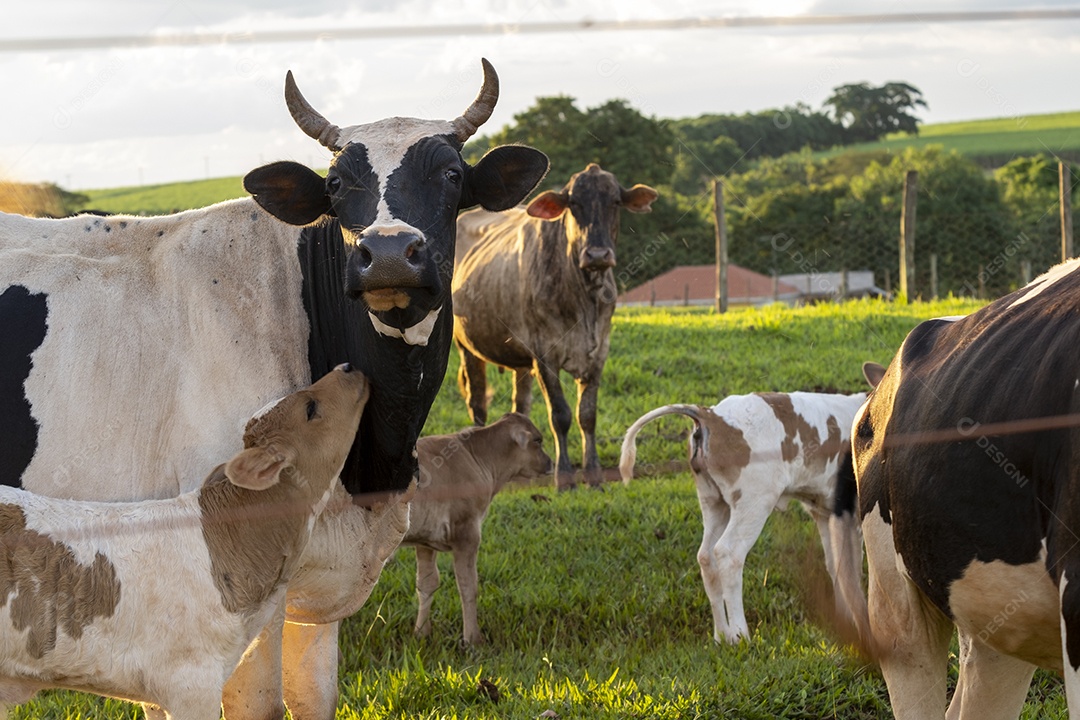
column 395, row 187
column 303, row 438
column 524, row 458
column 589, row 206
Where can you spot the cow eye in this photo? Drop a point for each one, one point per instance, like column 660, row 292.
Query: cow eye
column 333, row 184
column 312, row 409
column 454, row 176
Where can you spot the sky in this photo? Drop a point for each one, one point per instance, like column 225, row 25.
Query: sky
column 129, row 115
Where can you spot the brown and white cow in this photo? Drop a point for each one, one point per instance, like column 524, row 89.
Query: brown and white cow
column 133, row 347
column 967, row 458
column 534, row 291
column 156, row 601
column 750, row 455
column 460, row 474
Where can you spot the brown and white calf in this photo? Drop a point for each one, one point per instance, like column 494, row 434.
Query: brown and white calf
column 459, row 476
column 750, row 454
column 156, row 601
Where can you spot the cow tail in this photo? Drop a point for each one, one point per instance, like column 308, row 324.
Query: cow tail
column 629, row 447
column 845, row 536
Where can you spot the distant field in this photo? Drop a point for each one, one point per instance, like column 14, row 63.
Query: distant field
column 165, row 199
column 994, row 141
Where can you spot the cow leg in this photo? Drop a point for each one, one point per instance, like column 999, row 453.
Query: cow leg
column 821, row 520
column 523, row 382
column 991, row 685
column 311, row 670
column 588, row 390
column 559, row 416
column 715, row 513
column 467, row 580
column 748, row 518
column 427, row 582
column 253, row 691
column 472, row 381
column 913, row 634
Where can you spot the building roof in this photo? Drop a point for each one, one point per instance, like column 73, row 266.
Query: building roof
column 696, row 285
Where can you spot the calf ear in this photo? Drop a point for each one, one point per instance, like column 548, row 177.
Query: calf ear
column 873, row 373
column 639, row 199
column 548, row 205
column 521, row 436
column 289, row 191
column 256, row 468
column 504, row 177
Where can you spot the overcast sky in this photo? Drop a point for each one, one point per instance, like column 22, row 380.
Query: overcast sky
column 91, row 118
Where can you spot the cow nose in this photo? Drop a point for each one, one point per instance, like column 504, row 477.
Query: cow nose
column 597, row 258
column 390, row 261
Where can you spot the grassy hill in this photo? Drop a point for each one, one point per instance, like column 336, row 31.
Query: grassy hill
column 990, row 142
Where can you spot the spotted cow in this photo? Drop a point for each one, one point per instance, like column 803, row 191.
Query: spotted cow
column 966, row 458
column 751, row 454
column 134, row 348
column 84, row 604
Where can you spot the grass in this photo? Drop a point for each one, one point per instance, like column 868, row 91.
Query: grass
column 997, row 140
column 591, row 601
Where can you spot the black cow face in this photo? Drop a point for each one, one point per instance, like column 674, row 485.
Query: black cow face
column 592, row 198
column 394, row 189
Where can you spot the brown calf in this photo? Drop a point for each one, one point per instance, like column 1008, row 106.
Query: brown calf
column 459, row 476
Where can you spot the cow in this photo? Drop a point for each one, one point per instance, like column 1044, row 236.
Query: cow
column 459, row 476
column 534, row 291
column 750, row 455
column 88, row 606
column 966, row 459
column 120, row 334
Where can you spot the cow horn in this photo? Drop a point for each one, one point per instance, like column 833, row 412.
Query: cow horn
column 308, row 118
column 482, row 107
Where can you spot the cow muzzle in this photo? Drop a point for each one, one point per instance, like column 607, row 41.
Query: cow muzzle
column 597, row 258
column 383, row 266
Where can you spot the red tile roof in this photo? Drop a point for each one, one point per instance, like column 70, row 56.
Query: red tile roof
column 696, row 284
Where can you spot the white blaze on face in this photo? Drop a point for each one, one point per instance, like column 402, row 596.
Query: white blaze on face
column 387, row 141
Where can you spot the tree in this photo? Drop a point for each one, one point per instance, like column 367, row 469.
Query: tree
column 869, row 113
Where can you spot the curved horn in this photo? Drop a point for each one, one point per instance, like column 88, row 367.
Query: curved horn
column 482, row 107
column 308, row 118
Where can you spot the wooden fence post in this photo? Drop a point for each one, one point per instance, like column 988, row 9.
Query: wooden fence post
column 907, row 236
column 933, row 276
column 721, row 248
column 1065, row 200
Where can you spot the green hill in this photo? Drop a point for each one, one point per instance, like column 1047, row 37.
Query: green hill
column 991, row 142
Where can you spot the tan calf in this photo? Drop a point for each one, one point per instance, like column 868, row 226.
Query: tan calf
column 459, row 476
column 156, row 601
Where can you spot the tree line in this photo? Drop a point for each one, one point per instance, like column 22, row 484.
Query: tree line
column 791, row 211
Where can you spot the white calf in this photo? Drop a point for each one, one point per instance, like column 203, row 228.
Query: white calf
column 156, row 601
column 459, row 476
column 750, row 454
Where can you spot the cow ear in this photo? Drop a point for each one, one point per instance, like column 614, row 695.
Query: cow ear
column 548, row 205
column 289, row 191
column 503, row 177
column 873, row 373
column 256, row 468
column 639, row 199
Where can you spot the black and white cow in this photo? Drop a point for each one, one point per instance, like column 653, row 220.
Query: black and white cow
column 137, row 347
column 967, row 458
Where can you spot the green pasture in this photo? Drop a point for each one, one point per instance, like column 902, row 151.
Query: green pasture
column 591, row 600
column 997, row 140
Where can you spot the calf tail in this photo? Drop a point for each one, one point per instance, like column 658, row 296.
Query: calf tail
column 845, row 536
column 629, row 448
